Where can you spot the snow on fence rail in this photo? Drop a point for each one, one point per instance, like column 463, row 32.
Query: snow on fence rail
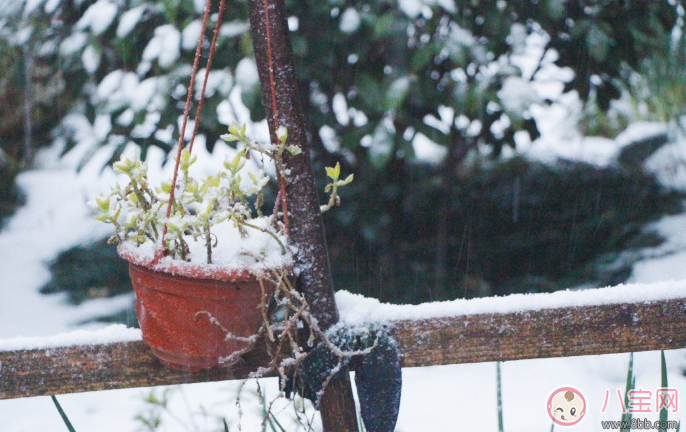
column 571, row 323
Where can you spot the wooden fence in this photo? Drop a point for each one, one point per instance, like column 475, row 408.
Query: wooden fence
column 553, row 332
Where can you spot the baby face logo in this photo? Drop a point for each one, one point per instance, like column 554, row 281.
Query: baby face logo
column 566, row 406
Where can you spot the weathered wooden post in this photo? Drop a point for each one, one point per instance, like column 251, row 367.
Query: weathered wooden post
column 280, row 98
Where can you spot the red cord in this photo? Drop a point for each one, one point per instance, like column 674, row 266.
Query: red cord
column 275, row 113
column 208, row 68
column 161, row 251
column 275, row 118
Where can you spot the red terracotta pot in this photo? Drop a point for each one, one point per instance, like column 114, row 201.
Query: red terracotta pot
column 170, row 310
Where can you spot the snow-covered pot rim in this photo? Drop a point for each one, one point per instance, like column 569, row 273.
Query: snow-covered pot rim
column 218, row 272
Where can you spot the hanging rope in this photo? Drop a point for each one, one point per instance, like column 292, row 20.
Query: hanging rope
column 208, row 68
column 186, row 112
column 275, row 116
column 281, row 196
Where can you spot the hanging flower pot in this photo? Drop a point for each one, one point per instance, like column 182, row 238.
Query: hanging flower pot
column 200, row 249
column 193, row 318
column 201, row 267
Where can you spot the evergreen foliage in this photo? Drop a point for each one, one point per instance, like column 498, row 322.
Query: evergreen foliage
column 374, row 78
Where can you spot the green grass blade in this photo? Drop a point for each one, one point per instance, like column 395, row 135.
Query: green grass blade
column 663, row 369
column 360, row 424
column 273, row 417
column 265, row 416
column 630, row 384
column 65, row 419
column 226, row 426
column 499, row 394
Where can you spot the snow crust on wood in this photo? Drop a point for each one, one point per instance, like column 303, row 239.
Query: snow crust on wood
column 111, row 334
column 356, row 309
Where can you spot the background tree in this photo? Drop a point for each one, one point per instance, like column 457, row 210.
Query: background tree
column 379, row 80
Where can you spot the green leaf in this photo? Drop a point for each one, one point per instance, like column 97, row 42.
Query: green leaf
column 117, row 214
column 334, row 172
column 347, row 180
column 103, row 203
column 294, row 150
column 282, row 134
column 229, row 137
column 236, row 163
column 187, row 160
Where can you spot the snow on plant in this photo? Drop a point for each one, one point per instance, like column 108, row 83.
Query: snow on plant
column 139, row 212
column 234, row 195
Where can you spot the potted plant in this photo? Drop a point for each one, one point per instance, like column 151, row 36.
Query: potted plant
column 199, row 250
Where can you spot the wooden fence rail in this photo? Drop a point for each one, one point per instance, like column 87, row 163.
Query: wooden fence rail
column 555, row 332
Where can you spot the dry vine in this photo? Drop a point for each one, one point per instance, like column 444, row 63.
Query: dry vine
column 289, row 333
